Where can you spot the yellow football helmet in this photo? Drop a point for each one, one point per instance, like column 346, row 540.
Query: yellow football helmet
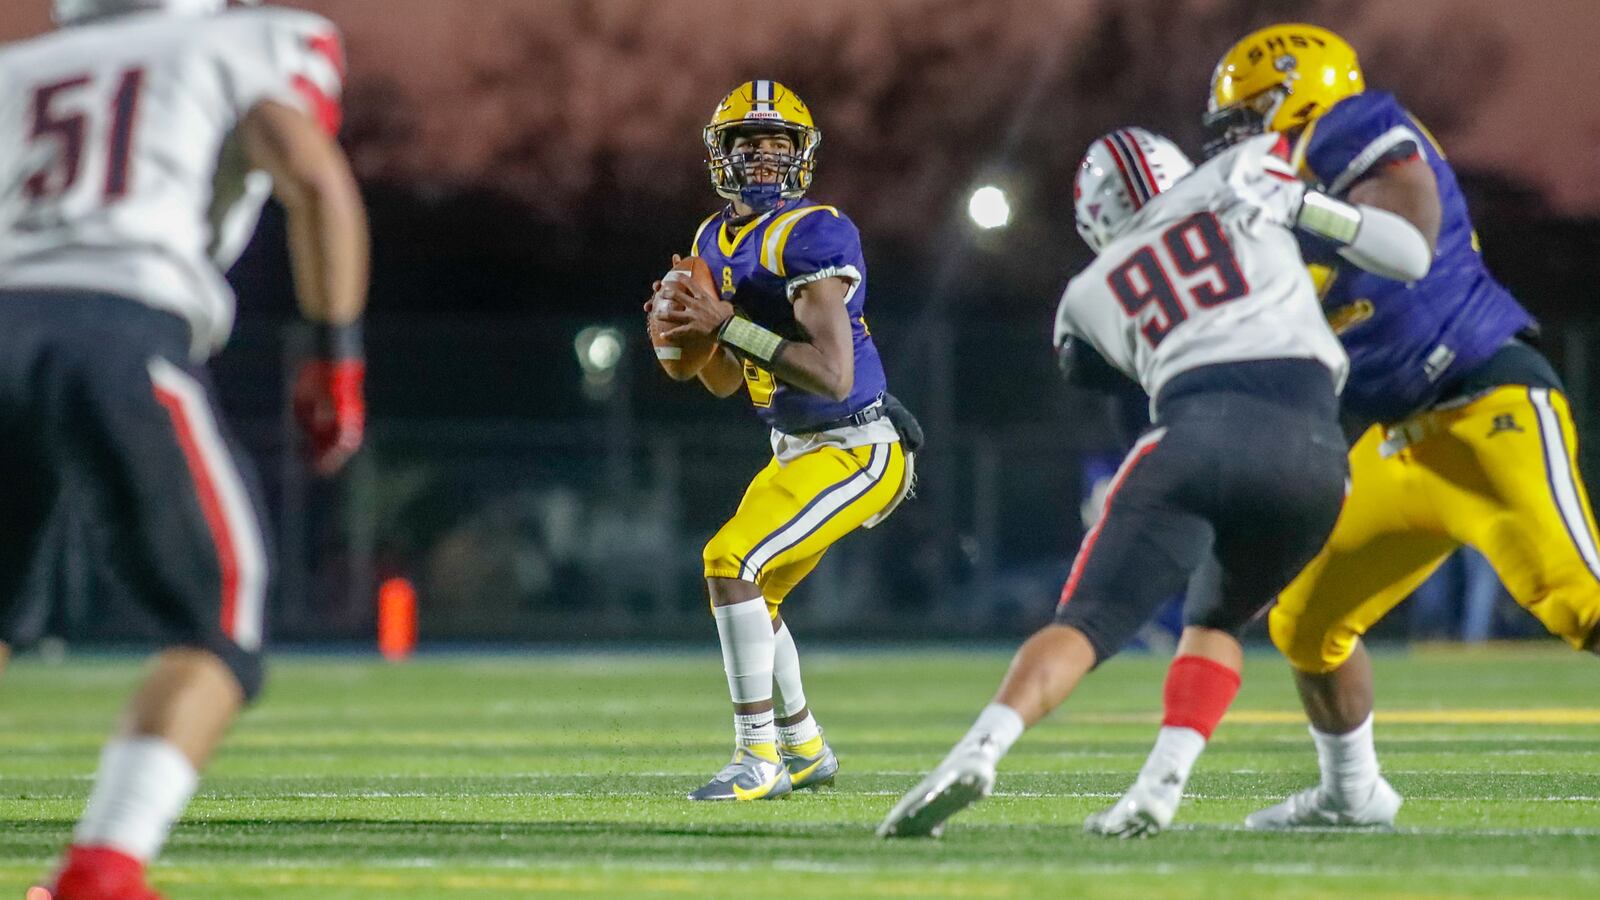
column 1279, row 78
column 761, row 105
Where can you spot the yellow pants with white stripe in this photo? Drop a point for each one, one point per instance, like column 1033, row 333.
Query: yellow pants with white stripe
column 793, row 512
column 1499, row 474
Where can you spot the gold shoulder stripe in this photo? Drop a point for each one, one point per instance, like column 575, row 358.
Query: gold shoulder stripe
column 778, row 237
column 694, row 248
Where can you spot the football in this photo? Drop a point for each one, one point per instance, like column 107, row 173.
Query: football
column 682, row 359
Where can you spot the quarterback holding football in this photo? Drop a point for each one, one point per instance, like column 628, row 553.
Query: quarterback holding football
column 786, row 305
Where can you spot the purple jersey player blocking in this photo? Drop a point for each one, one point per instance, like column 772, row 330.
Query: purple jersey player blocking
column 1408, row 343
column 1462, row 433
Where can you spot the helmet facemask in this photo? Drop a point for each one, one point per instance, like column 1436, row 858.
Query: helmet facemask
column 1241, row 121
column 760, row 179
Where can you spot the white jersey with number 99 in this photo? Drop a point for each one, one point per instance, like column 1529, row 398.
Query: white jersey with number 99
column 119, row 171
column 1206, row 272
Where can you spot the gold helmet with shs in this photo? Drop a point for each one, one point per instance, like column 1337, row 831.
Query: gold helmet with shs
column 1280, row 78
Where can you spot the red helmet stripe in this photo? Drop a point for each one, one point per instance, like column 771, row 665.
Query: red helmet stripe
column 1127, row 179
column 1144, row 166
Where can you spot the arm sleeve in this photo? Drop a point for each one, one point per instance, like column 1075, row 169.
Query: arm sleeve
column 1388, row 245
column 1358, row 136
column 822, row 244
column 289, row 57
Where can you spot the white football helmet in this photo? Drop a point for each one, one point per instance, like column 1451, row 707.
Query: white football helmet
column 1122, row 172
column 72, row 12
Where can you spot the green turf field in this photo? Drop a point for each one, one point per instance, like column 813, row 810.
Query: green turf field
column 556, row 775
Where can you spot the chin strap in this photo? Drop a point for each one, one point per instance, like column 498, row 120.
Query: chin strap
column 761, row 197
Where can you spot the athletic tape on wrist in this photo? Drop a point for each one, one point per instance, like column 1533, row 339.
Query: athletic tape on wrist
column 750, row 339
column 1330, row 218
column 338, row 342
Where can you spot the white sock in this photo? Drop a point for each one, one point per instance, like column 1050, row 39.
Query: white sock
column 997, row 728
column 1349, row 762
column 798, row 733
column 786, row 672
column 1172, row 758
column 756, row 730
column 141, row 788
column 745, row 630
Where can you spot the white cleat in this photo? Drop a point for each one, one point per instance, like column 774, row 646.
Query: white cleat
column 960, row 781
column 1316, row 808
column 1144, row 811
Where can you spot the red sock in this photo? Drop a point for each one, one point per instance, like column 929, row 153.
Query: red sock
column 101, row 872
column 1197, row 693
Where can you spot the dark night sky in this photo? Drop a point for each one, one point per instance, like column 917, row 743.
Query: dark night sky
column 544, row 155
column 456, row 66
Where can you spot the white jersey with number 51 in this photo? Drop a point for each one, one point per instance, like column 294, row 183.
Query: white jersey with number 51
column 1204, row 272
column 119, row 171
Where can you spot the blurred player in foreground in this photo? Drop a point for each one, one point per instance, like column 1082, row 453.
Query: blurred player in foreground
column 137, row 145
column 793, row 333
column 1465, row 436
column 1199, row 292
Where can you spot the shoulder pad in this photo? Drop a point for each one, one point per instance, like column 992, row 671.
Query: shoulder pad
column 700, row 233
column 808, row 239
column 1341, row 146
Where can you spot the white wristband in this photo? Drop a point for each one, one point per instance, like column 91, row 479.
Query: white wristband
column 750, row 339
column 1333, row 219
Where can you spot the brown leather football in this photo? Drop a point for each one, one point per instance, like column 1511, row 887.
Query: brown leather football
column 682, row 359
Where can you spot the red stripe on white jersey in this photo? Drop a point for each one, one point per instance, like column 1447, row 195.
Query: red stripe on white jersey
column 1282, row 149
column 229, row 515
column 324, row 108
column 1141, row 449
column 329, row 47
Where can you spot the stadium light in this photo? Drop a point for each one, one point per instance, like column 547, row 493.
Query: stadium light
column 989, row 208
column 599, row 349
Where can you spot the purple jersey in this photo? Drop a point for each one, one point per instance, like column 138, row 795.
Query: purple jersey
column 759, row 265
column 1407, row 342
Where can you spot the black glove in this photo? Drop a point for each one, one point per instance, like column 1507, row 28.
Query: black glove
column 1082, row 366
column 904, row 422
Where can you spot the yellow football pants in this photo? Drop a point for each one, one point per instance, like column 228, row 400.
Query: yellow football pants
column 1499, row 474
column 793, row 512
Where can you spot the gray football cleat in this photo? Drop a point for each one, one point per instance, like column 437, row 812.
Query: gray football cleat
column 747, row 777
column 1317, row 808
column 964, row 778
column 810, row 771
